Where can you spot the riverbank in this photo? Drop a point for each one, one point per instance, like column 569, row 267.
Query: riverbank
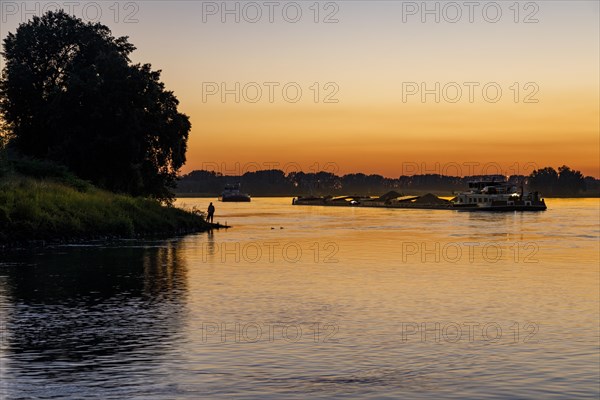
column 51, row 210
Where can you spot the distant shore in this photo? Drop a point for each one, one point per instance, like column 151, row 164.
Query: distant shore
column 549, row 182
column 586, row 195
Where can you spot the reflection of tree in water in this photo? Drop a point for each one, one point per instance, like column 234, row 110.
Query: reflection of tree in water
column 72, row 310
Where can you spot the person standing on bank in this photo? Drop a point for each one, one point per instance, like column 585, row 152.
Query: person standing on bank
column 211, row 212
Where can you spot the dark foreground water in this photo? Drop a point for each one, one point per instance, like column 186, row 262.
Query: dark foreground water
column 312, row 302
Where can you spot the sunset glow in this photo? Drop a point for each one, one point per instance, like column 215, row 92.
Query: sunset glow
column 369, row 118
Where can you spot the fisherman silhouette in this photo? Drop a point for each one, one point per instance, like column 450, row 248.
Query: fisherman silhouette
column 211, row 213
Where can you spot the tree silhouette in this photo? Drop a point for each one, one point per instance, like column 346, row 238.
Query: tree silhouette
column 544, row 179
column 565, row 182
column 69, row 93
column 570, row 181
column 547, row 181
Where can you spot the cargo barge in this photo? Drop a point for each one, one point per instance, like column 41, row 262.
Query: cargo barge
column 485, row 194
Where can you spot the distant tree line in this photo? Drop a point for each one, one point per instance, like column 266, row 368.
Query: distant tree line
column 563, row 182
column 547, row 181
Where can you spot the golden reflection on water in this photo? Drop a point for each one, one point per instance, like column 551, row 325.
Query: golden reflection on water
column 314, row 301
column 373, row 272
column 389, row 265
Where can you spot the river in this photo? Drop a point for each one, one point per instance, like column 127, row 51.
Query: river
column 313, row 302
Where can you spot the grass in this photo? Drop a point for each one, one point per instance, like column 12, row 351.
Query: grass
column 57, row 206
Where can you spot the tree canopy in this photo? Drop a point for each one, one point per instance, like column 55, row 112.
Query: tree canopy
column 564, row 182
column 70, row 93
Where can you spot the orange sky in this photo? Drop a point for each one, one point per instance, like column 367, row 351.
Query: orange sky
column 373, row 56
column 398, row 139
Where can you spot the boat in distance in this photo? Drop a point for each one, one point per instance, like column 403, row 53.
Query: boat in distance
column 484, row 194
column 496, row 194
column 232, row 193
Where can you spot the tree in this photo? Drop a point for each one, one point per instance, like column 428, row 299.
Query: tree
column 570, row 182
column 69, row 93
column 544, row 180
column 565, row 182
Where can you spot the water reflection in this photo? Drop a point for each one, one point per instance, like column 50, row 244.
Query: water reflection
column 164, row 320
column 210, row 244
column 86, row 308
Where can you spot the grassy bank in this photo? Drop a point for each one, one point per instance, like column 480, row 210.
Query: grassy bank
column 61, row 209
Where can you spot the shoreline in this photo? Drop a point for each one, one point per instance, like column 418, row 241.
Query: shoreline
column 57, row 242
column 216, row 196
column 38, row 212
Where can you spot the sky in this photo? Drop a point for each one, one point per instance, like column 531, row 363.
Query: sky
column 386, row 87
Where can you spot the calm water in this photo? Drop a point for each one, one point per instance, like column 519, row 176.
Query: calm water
column 312, row 302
